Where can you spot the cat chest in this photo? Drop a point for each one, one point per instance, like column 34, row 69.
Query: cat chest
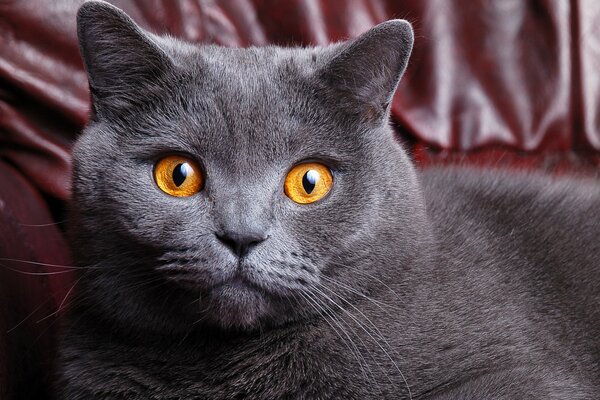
column 270, row 372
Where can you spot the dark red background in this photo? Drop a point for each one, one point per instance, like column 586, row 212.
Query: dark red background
column 498, row 83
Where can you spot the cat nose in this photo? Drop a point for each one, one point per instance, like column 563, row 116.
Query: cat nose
column 241, row 243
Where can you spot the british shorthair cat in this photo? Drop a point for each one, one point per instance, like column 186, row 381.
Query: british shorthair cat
column 248, row 227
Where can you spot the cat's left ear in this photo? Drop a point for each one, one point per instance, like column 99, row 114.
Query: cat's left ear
column 365, row 72
column 125, row 65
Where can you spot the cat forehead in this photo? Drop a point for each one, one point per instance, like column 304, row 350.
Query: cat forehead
column 252, row 76
column 265, row 59
column 251, row 99
column 248, row 126
column 243, row 103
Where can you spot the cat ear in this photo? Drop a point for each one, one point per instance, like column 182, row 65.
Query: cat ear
column 365, row 72
column 123, row 63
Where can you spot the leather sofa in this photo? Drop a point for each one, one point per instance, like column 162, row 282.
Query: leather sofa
column 491, row 83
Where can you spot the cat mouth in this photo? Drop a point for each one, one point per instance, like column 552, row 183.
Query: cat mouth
column 237, row 299
column 238, row 281
column 192, row 281
column 240, row 276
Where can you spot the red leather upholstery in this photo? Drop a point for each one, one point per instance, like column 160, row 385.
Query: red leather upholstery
column 30, row 292
column 509, row 83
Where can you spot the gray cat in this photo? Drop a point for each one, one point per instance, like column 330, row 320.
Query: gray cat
column 247, row 227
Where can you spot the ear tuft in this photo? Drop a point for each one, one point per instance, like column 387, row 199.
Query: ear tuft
column 121, row 59
column 367, row 70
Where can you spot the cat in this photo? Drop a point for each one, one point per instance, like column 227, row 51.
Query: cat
column 247, row 226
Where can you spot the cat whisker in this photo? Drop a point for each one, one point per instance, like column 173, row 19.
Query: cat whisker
column 185, row 336
column 28, row 316
column 43, row 264
column 379, row 304
column 352, row 347
column 196, row 300
column 203, row 318
column 43, row 225
column 67, row 268
column 361, row 325
column 326, row 311
column 370, row 276
column 34, row 273
column 62, row 303
column 146, row 282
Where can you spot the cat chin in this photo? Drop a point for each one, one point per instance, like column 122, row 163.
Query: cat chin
column 237, row 305
column 238, row 298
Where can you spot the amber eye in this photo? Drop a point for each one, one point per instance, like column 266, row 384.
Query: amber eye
column 178, row 176
column 308, row 182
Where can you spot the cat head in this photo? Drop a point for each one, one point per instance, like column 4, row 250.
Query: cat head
column 237, row 188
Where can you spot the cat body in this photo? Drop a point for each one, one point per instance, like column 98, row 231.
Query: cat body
column 442, row 284
column 496, row 310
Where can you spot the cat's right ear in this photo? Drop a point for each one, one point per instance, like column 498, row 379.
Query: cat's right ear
column 123, row 63
column 365, row 72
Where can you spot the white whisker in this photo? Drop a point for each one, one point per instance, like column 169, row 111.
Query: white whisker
column 366, row 331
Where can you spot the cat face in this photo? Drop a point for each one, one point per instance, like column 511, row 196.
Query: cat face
column 236, row 181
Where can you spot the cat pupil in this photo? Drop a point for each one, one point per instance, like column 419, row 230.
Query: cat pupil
column 180, row 172
column 309, row 180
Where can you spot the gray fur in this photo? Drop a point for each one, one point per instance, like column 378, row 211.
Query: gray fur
column 453, row 283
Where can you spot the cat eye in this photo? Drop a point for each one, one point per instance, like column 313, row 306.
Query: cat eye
column 178, row 176
column 308, row 182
